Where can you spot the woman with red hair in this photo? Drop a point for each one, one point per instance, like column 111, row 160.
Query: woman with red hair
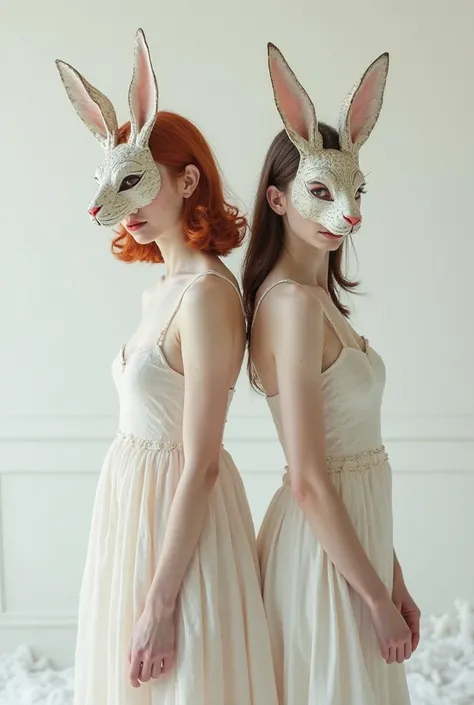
column 170, row 602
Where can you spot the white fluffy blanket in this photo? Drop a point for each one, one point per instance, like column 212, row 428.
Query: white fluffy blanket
column 441, row 672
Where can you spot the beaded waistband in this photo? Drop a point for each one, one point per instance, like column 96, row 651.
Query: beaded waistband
column 357, row 462
column 148, row 444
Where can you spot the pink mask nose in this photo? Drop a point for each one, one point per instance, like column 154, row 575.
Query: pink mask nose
column 93, row 211
column 353, row 221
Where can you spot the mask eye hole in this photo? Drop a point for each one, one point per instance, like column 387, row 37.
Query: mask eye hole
column 130, row 181
column 320, row 191
column 362, row 189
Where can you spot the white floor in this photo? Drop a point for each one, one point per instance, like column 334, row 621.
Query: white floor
column 441, row 672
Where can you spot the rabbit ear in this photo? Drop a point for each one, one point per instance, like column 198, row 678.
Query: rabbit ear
column 94, row 108
column 143, row 93
column 294, row 104
column 362, row 107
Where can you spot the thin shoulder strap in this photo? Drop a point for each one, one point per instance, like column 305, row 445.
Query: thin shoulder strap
column 229, row 281
column 267, row 291
column 257, row 306
column 328, row 315
column 175, row 310
column 321, row 299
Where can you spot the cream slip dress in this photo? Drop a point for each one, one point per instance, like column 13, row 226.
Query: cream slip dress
column 223, row 647
column 324, row 646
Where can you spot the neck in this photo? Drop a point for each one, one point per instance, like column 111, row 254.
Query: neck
column 178, row 257
column 308, row 264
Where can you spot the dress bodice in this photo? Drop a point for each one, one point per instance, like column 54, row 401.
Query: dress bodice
column 151, row 392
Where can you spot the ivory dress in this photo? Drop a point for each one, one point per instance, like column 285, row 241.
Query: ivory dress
column 223, row 648
column 325, row 650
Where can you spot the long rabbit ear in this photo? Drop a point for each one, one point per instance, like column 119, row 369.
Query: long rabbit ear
column 143, row 93
column 95, row 109
column 362, row 106
column 294, row 104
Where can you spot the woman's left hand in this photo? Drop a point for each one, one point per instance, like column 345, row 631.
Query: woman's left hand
column 152, row 650
column 408, row 608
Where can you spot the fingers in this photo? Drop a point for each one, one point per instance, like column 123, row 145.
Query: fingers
column 415, row 633
column 415, row 640
column 163, row 666
column 168, row 663
column 157, row 669
column 135, row 669
column 146, row 671
column 384, row 649
column 413, row 621
column 143, row 668
column 397, row 653
column 404, row 650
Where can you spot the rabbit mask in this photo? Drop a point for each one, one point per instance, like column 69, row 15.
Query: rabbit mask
column 338, row 171
column 128, row 176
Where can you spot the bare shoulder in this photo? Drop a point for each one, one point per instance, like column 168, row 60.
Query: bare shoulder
column 290, row 323
column 211, row 294
column 226, row 272
column 287, row 298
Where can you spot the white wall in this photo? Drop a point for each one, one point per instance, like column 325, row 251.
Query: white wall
column 66, row 305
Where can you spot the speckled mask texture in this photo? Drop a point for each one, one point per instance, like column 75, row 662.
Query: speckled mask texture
column 336, row 170
column 128, row 176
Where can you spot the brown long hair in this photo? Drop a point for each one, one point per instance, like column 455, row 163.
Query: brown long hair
column 267, row 235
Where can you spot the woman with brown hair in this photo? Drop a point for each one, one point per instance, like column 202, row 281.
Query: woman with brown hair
column 340, row 617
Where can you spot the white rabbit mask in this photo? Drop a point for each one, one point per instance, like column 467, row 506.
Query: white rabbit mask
column 337, row 170
column 128, row 176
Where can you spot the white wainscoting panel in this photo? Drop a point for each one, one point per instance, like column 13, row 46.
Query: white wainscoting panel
column 49, row 467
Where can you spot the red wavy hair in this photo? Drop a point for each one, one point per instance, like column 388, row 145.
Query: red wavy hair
column 209, row 223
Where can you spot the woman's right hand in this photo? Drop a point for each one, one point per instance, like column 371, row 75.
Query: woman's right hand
column 392, row 631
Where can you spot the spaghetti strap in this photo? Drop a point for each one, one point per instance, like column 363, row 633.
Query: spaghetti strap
column 315, row 291
column 267, row 291
column 257, row 306
column 326, row 313
column 229, row 281
column 175, row 310
column 342, row 338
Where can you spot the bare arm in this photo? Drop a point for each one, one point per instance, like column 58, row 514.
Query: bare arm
column 405, row 603
column 297, row 349
column 209, row 329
